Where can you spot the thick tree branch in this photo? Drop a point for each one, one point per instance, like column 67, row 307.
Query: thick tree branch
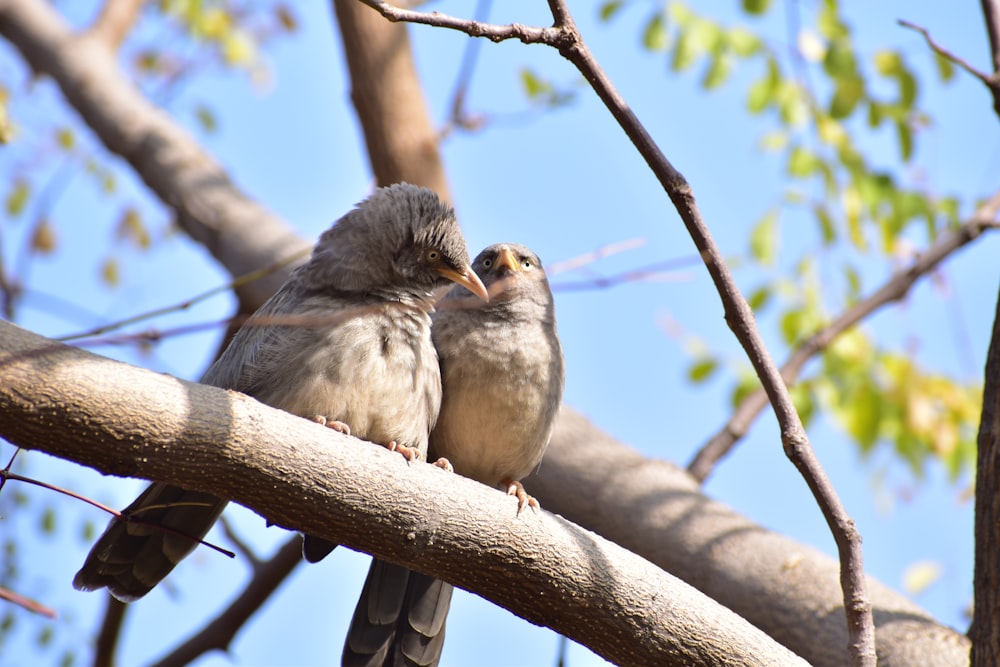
column 114, row 21
column 208, row 206
column 991, row 13
column 729, row 572
column 786, row 588
column 123, row 420
column 720, row 444
column 565, row 37
column 389, row 100
column 985, row 630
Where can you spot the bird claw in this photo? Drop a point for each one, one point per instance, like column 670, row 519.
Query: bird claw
column 338, row 426
column 444, row 464
column 523, row 499
column 411, row 454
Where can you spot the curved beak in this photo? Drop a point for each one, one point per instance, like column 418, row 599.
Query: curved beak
column 508, row 259
column 467, row 279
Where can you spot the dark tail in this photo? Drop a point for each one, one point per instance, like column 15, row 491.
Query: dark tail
column 399, row 620
column 162, row 526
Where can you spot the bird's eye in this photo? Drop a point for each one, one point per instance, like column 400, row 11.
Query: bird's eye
column 433, row 255
column 527, row 264
column 487, row 263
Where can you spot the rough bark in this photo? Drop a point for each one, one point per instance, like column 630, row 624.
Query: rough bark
column 32, row 26
column 123, row 420
column 985, row 630
column 386, row 92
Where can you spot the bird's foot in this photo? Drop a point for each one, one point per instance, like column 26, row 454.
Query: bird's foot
column 411, row 454
column 444, row 464
column 515, row 488
column 338, row 426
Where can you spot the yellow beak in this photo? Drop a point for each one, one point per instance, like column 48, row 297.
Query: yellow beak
column 467, row 279
column 508, row 259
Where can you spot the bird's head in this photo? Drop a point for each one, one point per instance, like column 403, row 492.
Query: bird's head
column 402, row 239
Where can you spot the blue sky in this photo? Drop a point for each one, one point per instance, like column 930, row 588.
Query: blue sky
column 564, row 182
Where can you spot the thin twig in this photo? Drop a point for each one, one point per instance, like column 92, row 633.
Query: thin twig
column 720, row 444
column 989, row 80
column 565, row 37
column 188, row 303
column 114, row 22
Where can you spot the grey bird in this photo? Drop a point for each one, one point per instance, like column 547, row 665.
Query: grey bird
column 502, row 378
column 346, row 342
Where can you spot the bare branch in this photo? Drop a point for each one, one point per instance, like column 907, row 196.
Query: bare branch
column 991, row 81
column 495, row 33
column 985, row 630
column 300, row 475
column 114, row 22
column 720, row 444
column 987, row 79
column 565, row 37
column 401, row 141
column 991, row 13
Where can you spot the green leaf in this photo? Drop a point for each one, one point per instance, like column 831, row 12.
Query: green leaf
column 654, row 36
column 609, row 9
column 764, row 238
column 945, row 68
column 801, row 162
column 48, row 521
column 17, row 198
column 827, row 227
column 65, row 138
column 756, row 7
column 888, row 63
column 717, row 73
column 110, row 273
column 205, row 118
column 848, row 92
column 759, row 298
column 919, row 576
column 742, row 42
column 534, row 87
column 702, row 369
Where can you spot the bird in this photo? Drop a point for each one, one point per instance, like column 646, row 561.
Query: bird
column 346, row 342
column 502, row 374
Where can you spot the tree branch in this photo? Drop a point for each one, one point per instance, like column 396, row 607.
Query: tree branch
column 114, row 21
column 992, row 81
column 208, row 206
column 720, row 444
column 787, row 589
column 985, row 630
column 565, row 37
column 401, row 142
column 123, row 420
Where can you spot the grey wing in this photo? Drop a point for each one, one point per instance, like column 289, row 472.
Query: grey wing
column 165, row 523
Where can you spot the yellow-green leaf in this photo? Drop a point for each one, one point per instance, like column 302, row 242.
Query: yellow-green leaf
column 110, row 272
column 764, row 238
column 702, row 369
column 654, row 36
column 17, row 198
column 66, row 138
column 609, row 9
column 919, row 576
column 756, row 6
